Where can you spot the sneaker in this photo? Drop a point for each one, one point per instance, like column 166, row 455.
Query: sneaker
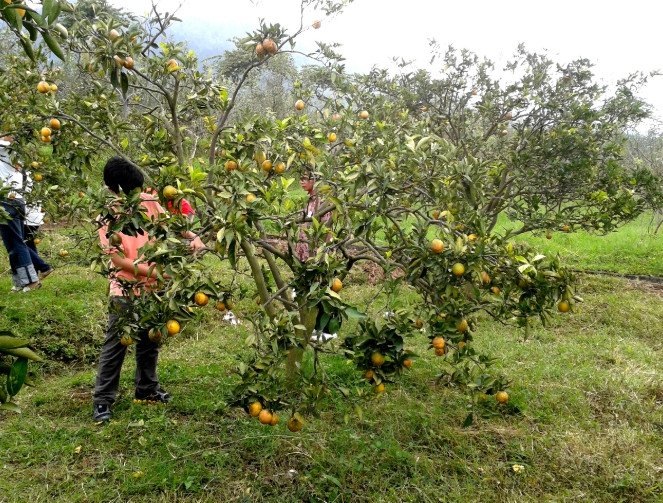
column 158, row 396
column 30, row 287
column 45, row 273
column 102, row 412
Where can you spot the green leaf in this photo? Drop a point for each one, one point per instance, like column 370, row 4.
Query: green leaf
column 468, row 420
column 24, row 353
column 27, row 48
column 17, row 375
column 53, row 45
column 9, row 342
column 124, row 84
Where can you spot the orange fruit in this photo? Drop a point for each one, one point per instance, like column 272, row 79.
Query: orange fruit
column 438, row 342
column 126, row 340
column 270, row 46
column 458, row 269
column 34, row 164
column 439, row 351
column 363, row 114
column 564, row 306
column 299, row 105
column 45, row 131
column 377, row 359
column 45, row 139
column 495, row 290
column 462, row 326
column 173, row 327
column 369, row 375
column 275, row 419
column 260, row 50
column 407, row 363
column 37, row 241
column 266, row 165
column 172, row 65
column 566, row 228
column 255, row 408
column 53, row 88
column 154, row 335
column 231, row 165
column 331, row 137
column 63, row 253
column 55, row 124
column 129, row 63
column 201, row 299
column 265, row 417
column 336, row 285
column 220, row 306
column 502, row 397
column 485, row 278
column 437, row 246
column 379, row 388
column 250, row 198
column 38, row 177
column 295, row 424
column 43, row 87
column 279, row 168
column 169, row 192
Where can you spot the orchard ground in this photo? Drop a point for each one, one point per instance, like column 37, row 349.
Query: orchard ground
column 589, row 387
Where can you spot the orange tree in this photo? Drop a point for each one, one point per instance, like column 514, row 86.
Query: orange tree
column 394, row 190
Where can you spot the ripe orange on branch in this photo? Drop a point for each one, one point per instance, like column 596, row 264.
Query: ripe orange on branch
column 502, row 397
column 54, row 124
column 564, row 306
column 295, row 424
column 437, row 246
column 231, row 165
column 173, row 327
column 363, row 114
column 266, row 165
column 169, row 192
column 43, row 87
column 270, row 46
column 265, row 417
column 299, row 105
column 45, row 131
column 201, row 299
column 255, row 408
column 336, row 285
column 377, row 359
column 438, row 342
column 462, row 326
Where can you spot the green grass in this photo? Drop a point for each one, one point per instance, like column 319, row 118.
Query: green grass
column 590, row 388
column 633, row 249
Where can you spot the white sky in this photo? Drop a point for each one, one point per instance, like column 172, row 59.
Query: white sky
column 619, row 37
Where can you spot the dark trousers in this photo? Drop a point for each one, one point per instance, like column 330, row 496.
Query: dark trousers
column 24, row 262
column 29, row 235
column 112, row 357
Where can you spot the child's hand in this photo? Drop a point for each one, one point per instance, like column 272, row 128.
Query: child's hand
column 197, row 245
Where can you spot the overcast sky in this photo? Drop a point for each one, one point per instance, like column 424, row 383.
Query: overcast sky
column 618, row 36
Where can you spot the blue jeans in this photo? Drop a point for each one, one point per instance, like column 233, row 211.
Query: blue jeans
column 24, row 262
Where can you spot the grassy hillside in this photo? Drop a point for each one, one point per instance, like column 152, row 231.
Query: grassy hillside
column 633, row 249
